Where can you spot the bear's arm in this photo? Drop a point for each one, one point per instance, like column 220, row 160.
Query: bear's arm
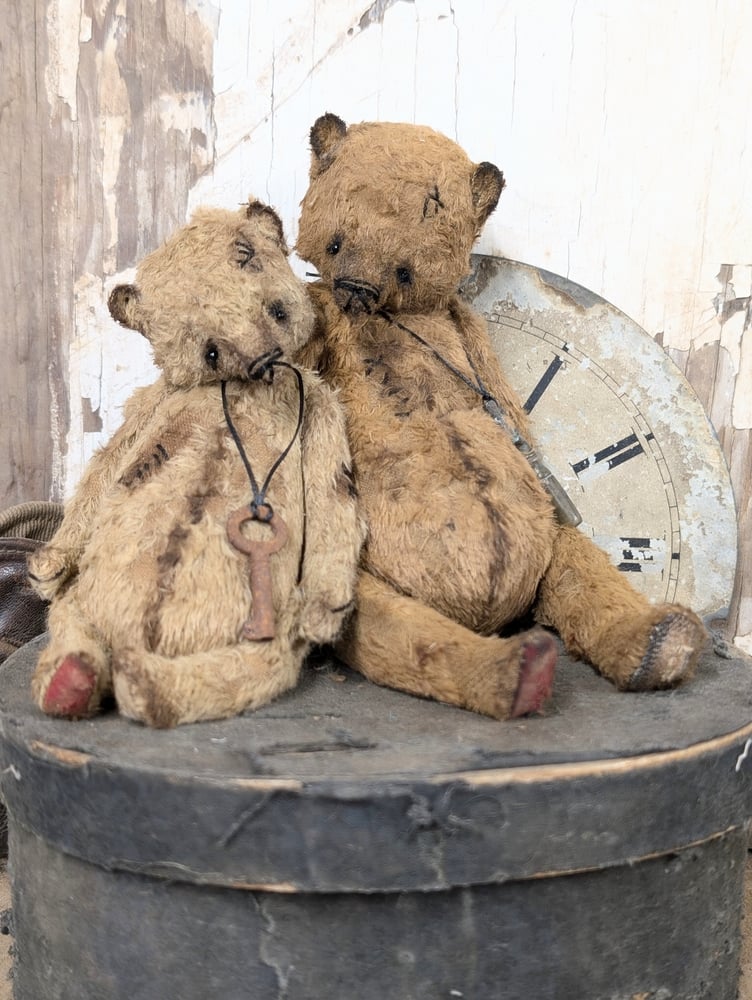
column 313, row 354
column 474, row 333
column 334, row 528
column 53, row 564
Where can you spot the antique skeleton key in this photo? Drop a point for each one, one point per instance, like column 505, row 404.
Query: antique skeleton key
column 261, row 623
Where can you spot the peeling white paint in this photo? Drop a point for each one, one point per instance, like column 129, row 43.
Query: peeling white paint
column 84, row 371
column 65, row 23
column 106, row 363
column 114, row 126
column 182, row 111
column 744, row 642
column 614, row 177
column 61, row 483
column 208, row 11
column 742, row 405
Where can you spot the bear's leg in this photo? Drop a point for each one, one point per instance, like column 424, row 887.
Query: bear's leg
column 603, row 619
column 73, row 672
column 399, row 642
column 167, row 691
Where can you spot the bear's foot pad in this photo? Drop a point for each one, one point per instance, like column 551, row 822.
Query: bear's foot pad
column 537, row 666
column 673, row 650
column 70, row 691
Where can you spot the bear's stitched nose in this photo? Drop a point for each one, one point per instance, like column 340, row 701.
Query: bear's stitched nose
column 262, row 367
column 353, row 295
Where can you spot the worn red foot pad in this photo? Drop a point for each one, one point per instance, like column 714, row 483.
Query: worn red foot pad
column 70, row 689
column 537, row 665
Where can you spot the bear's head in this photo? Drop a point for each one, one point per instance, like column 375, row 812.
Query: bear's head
column 391, row 214
column 218, row 300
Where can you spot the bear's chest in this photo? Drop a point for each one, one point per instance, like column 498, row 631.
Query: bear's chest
column 189, row 456
column 404, row 371
column 414, row 398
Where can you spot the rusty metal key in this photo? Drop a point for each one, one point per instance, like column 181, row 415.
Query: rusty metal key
column 261, row 623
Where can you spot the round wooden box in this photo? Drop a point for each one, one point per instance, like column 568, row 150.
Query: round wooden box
column 352, row 843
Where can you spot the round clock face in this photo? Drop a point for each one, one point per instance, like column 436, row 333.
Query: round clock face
column 620, row 427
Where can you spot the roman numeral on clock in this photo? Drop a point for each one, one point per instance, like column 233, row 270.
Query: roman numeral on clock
column 636, row 554
column 608, row 458
column 642, row 555
column 543, row 383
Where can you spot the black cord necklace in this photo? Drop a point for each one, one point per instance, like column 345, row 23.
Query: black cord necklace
column 262, row 510
column 260, row 625
column 477, row 385
column 566, row 511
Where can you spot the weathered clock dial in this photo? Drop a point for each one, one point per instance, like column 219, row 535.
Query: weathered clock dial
column 621, row 428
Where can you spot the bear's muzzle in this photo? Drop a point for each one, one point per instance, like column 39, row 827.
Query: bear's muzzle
column 355, row 295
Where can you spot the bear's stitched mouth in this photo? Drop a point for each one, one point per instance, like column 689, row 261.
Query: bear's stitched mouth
column 353, row 295
column 262, row 367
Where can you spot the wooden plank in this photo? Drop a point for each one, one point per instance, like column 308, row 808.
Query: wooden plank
column 717, row 372
column 109, row 129
column 739, row 451
column 29, row 334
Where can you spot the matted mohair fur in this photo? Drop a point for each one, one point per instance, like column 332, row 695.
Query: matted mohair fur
column 463, row 539
column 149, row 596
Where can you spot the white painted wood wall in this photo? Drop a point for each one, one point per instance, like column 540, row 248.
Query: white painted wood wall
column 624, row 128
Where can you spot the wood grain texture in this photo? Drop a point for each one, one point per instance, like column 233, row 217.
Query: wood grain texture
column 31, row 328
column 110, row 125
column 739, row 452
column 718, row 368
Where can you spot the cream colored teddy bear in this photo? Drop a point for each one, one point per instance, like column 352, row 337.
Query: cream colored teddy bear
column 216, row 536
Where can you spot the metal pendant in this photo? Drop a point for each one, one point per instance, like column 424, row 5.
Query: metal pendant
column 260, row 625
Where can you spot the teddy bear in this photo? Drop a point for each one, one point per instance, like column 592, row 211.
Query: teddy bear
column 215, row 538
column 470, row 565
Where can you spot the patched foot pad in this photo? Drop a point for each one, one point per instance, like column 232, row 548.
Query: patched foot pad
column 71, row 688
column 537, row 666
column 674, row 647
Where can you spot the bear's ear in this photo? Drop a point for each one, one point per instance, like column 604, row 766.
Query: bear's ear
column 268, row 221
column 487, row 184
column 327, row 133
column 124, row 303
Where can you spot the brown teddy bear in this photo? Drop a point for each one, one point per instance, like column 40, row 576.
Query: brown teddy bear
column 463, row 537
column 216, row 536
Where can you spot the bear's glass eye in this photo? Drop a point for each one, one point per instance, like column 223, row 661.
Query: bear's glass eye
column 333, row 248
column 244, row 253
column 211, row 355
column 404, row 276
column 278, row 312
